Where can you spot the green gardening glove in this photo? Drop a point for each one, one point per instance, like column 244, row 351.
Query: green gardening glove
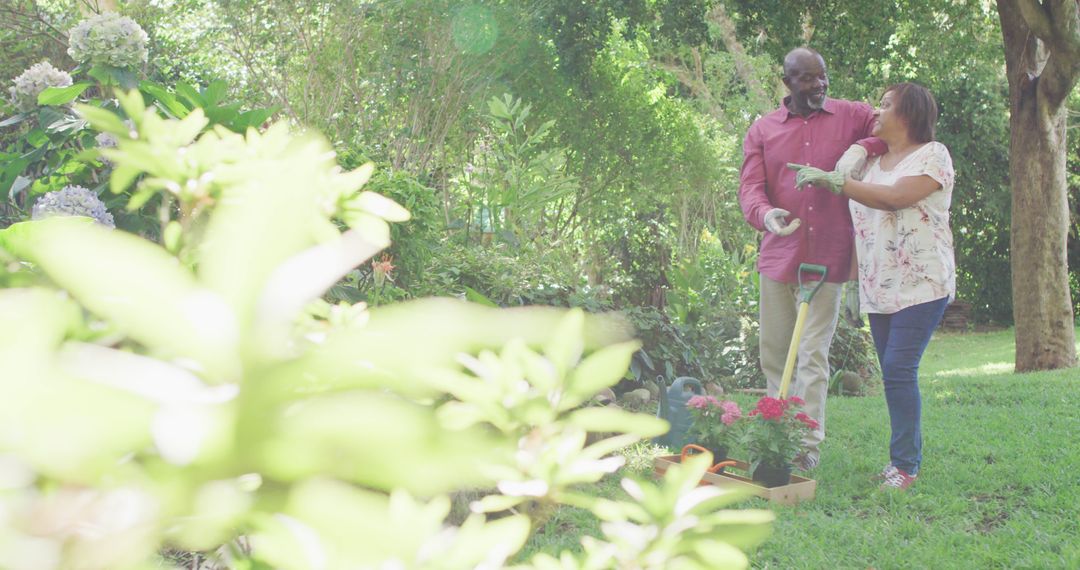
column 849, row 307
column 834, row 181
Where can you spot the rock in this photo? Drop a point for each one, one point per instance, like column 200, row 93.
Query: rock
column 852, row 383
column 654, row 390
column 605, row 397
column 639, row 396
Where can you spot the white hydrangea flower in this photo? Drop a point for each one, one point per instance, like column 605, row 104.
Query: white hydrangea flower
column 108, row 38
column 72, row 201
column 33, row 81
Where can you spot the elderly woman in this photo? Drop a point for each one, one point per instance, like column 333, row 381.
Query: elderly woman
column 907, row 274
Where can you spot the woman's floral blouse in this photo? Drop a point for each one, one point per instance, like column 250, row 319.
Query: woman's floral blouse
column 906, row 257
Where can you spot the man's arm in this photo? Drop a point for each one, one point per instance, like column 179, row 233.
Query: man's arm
column 752, row 197
column 873, row 145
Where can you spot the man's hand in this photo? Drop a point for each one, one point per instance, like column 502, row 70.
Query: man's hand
column 776, row 222
column 849, row 308
column 833, row 181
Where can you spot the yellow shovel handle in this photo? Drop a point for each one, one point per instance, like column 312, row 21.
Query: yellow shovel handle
column 793, row 350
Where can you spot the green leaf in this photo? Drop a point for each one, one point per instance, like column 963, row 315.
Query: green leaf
column 599, row 370
column 101, row 73
column 10, row 174
column 223, row 115
column 125, row 78
column 37, row 138
column 62, row 95
column 215, row 92
column 498, row 109
column 14, row 119
column 21, row 183
column 102, row 119
column 122, row 178
column 375, row 229
column 567, row 341
column 253, row 118
column 379, row 205
column 123, row 278
column 67, row 124
column 478, row 297
column 481, row 544
column 132, row 103
column 496, row 503
column 190, row 95
column 185, row 130
column 171, row 236
column 167, row 100
column 319, row 438
column 140, row 198
column 617, row 420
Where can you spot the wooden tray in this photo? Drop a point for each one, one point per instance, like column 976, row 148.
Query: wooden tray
column 800, row 488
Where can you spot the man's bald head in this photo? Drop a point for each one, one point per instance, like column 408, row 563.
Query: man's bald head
column 801, row 57
column 806, row 80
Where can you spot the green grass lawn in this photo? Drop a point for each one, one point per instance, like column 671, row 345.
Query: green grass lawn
column 999, row 485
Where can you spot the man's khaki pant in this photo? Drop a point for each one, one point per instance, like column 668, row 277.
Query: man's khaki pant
column 779, row 307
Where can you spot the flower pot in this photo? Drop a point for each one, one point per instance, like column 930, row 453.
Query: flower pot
column 772, row 475
column 719, row 453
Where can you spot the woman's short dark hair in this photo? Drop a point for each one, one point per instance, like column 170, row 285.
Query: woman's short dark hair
column 916, row 106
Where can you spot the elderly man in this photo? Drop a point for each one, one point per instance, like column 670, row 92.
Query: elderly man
column 802, row 227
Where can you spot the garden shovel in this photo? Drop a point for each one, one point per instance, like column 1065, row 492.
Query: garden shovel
column 806, row 292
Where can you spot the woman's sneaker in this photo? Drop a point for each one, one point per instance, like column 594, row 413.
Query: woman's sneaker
column 885, row 473
column 898, row 479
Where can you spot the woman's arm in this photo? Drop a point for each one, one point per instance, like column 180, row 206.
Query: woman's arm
column 906, row 192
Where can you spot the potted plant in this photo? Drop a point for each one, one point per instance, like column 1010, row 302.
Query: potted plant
column 715, row 424
column 773, row 437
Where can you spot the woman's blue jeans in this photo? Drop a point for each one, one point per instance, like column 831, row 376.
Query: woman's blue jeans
column 900, row 339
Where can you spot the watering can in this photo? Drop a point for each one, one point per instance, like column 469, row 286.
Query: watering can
column 673, row 409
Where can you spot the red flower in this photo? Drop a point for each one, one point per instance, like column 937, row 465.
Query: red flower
column 810, row 422
column 770, row 408
column 797, row 401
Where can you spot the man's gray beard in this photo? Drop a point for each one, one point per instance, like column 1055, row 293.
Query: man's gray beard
column 816, row 106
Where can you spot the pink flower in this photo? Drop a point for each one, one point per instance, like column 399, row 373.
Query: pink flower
column 701, row 402
column 797, row 401
column 731, row 412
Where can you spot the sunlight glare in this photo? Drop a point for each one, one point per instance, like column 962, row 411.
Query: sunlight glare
column 988, row 369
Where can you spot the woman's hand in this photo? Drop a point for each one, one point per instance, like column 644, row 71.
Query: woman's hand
column 833, row 181
column 850, row 307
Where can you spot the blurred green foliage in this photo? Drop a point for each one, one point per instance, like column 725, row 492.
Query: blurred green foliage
column 211, row 400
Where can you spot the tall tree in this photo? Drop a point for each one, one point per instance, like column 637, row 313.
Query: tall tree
column 1042, row 59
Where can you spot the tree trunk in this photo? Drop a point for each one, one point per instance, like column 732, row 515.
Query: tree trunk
column 1042, row 307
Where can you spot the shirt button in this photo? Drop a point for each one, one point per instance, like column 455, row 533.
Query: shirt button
column 807, row 144
column 811, row 208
